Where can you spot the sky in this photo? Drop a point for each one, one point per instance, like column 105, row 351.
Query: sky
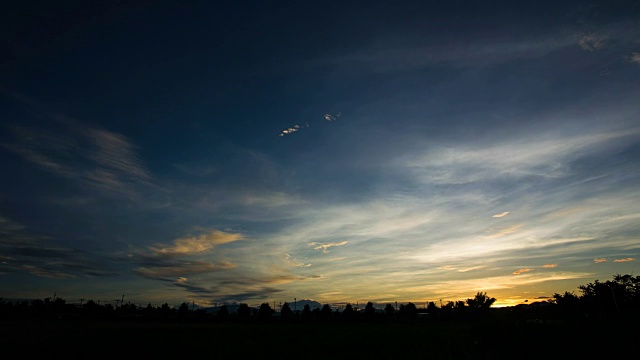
column 261, row 151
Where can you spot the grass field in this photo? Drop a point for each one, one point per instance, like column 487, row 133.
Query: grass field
column 152, row 340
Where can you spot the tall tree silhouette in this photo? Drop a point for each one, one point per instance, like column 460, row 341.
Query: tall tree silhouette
column 286, row 313
column 265, row 311
column 306, row 313
column 348, row 314
column 326, row 313
column 389, row 310
column 481, row 301
column 243, row 311
column 369, row 311
column 223, row 313
column 480, row 304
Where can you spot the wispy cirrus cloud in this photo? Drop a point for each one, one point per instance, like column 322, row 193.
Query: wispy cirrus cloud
column 624, row 260
column 51, row 274
column 184, row 257
column 290, row 260
column 24, row 250
column 549, row 266
column 291, row 130
column 522, row 271
column 592, row 42
column 176, row 269
column 330, row 117
column 93, row 156
column 502, row 214
column 541, row 157
column 324, row 247
column 599, row 260
column 505, row 231
column 196, row 244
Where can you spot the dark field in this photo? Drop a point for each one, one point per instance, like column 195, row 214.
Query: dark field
column 64, row 339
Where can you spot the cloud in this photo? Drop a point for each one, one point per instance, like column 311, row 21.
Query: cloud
column 522, row 271
column 197, row 244
column 25, row 250
column 185, row 256
column 599, row 260
column 389, row 55
column 92, row 156
column 325, row 246
column 624, row 260
column 471, row 268
column 291, row 130
column 545, row 157
column 592, row 42
column 330, row 117
column 47, row 273
column 296, row 128
column 549, row 266
column 501, row 214
column 179, row 269
column 635, row 58
column 505, row 231
column 294, row 262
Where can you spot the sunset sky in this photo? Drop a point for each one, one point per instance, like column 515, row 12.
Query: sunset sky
column 256, row 151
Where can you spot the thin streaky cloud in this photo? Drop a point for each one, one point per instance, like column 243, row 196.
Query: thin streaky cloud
column 290, row 130
column 624, row 260
column 522, row 271
column 325, row 246
column 181, row 269
column 501, row 214
column 505, row 231
column 592, row 42
column 196, row 244
column 290, row 260
column 47, row 273
column 96, row 157
column 599, row 260
column 471, row 269
column 331, row 118
column 549, row 266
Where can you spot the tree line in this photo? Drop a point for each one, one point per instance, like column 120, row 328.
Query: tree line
column 617, row 297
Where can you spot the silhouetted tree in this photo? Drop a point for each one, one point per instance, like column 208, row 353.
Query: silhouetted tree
column 243, row 311
column 149, row 311
column 369, row 310
column 91, row 310
column 480, row 304
column 612, row 297
column 326, row 312
column 481, row 301
column 432, row 310
column 306, row 313
column 389, row 310
column 265, row 311
column 183, row 310
column 348, row 314
column 223, row 313
column 165, row 311
column 408, row 311
column 286, row 313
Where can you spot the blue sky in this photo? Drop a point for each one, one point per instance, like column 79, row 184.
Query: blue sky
column 372, row 151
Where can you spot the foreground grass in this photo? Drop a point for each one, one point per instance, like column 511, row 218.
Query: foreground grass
column 149, row 340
